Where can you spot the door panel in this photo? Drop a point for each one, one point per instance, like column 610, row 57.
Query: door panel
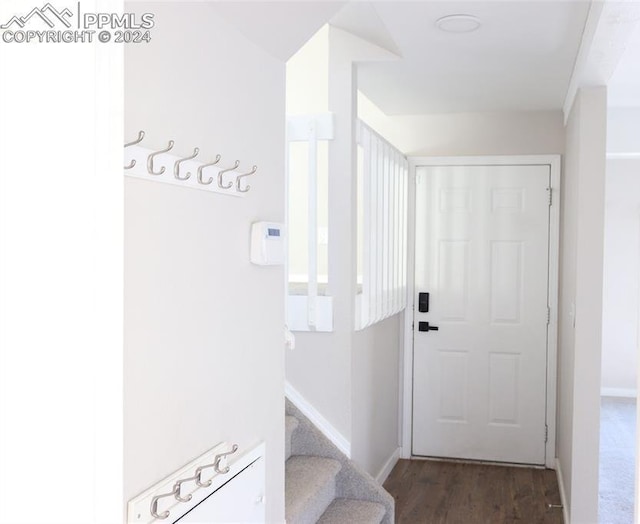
column 482, row 244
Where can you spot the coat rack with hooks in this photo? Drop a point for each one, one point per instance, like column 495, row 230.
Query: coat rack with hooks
column 161, row 165
column 180, row 492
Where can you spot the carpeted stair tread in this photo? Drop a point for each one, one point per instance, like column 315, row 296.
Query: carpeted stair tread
column 351, row 511
column 352, row 484
column 291, row 424
column 309, row 487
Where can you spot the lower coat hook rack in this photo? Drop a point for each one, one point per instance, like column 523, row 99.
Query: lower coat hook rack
column 206, row 482
column 163, row 166
column 220, row 466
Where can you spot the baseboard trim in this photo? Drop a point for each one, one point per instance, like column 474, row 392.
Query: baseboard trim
column 619, row 392
column 563, row 494
column 388, row 466
column 327, row 429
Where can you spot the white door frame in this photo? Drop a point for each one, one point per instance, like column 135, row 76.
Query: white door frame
column 636, row 503
column 554, row 249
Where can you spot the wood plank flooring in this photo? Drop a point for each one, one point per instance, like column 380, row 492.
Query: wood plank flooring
column 436, row 492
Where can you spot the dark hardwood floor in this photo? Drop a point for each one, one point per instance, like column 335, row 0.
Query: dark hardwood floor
column 437, row 492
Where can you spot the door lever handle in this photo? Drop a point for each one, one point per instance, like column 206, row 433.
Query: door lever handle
column 424, row 326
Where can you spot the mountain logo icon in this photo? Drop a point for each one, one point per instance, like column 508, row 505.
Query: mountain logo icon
column 48, row 14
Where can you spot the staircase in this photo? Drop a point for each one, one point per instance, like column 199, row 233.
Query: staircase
column 322, row 485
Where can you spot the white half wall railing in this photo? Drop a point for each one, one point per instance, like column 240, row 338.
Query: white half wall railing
column 310, row 311
column 383, row 173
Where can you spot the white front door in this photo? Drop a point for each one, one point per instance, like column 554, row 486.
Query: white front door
column 482, row 255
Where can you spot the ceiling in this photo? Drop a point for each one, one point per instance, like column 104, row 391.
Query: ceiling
column 279, row 27
column 521, row 58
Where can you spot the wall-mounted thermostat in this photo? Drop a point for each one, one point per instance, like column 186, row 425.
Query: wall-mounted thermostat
column 267, row 244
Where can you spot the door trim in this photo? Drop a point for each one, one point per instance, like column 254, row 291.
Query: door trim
column 554, row 162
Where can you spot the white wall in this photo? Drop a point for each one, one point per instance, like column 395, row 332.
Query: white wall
column 375, row 351
column 621, row 271
column 375, row 391
column 307, row 94
column 204, row 344
column 566, row 301
column 580, row 315
column 623, row 130
column 320, row 366
column 335, row 372
column 468, row 134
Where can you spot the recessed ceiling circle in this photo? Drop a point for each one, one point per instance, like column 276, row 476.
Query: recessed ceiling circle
column 458, row 23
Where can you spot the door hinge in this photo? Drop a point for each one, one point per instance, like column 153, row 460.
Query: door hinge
column 413, row 326
column 550, row 189
column 548, row 315
column 546, row 433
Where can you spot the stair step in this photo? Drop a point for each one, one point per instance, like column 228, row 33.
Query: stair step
column 351, row 511
column 309, row 488
column 291, row 423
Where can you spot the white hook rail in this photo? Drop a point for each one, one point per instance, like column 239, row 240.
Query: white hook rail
column 206, row 174
column 184, row 489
